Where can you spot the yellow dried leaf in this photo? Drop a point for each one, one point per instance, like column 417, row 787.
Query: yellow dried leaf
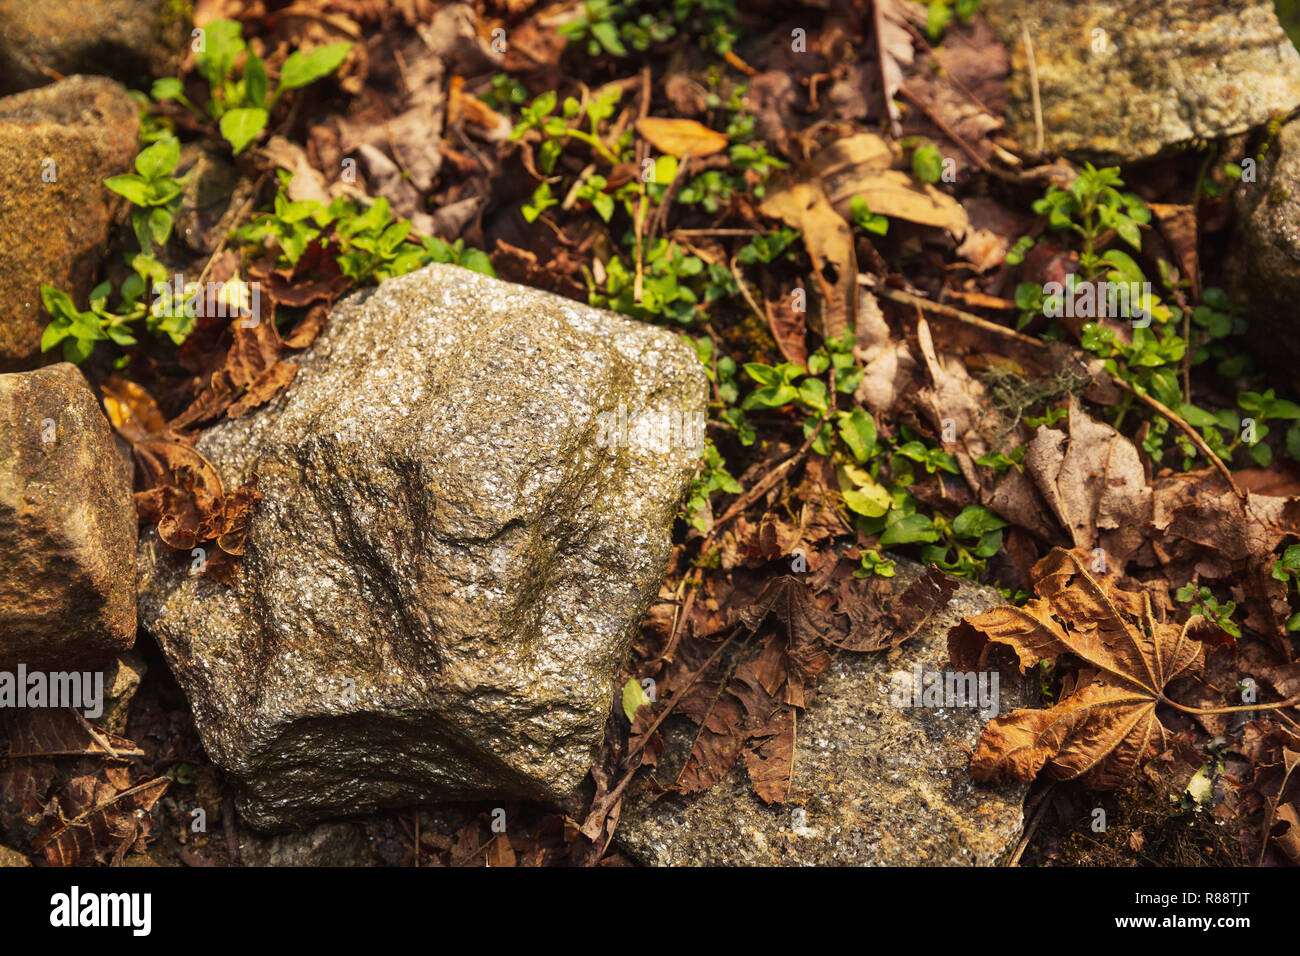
column 681, row 137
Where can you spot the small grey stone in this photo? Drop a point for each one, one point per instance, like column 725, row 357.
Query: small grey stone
column 336, row 843
column 443, row 577
column 1124, row 80
column 873, row 784
column 122, row 678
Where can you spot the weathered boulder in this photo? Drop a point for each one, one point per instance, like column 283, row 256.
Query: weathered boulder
column 874, row 783
column 57, row 146
column 1263, row 266
column 131, row 40
column 451, row 554
column 67, row 526
column 1124, row 80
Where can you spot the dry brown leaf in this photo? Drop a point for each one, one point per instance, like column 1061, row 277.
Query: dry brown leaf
column 111, row 822
column 860, row 166
column 1105, row 725
column 802, row 205
column 1093, row 480
column 131, row 410
column 1179, row 227
column 682, row 138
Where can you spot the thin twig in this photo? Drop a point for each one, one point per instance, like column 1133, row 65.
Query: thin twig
column 947, row 130
column 1192, row 434
column 1033, row 86
column 1039, row 809
column 1148, row 400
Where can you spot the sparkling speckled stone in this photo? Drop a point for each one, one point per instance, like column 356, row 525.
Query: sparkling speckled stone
column 443, row 577
column 873, row 784
column 1124, row 80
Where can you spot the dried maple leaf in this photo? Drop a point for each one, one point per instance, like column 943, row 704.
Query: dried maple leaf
column 1105, row 725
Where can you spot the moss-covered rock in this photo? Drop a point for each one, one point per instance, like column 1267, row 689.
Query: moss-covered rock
column 443, row 577
column 1125, row 80
column 57, row 146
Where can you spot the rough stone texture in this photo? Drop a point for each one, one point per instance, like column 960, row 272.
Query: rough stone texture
column 337, row 843
column 878, row 785
column 80, row 131
column 1263, row 266
column 441, row 529
column 1170, row 71
column 128, row 39
column 67, row 526
column 122, row 678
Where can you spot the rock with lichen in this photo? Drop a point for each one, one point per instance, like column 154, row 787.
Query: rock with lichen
column 57, row 146
column 456, row 540
column 877, row 779
column 1126, row 80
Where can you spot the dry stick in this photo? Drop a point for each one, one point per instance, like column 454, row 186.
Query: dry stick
column 744, row 291
column 714, row 232
column 746, row 499
column 661, row 212
column 919, row 37
column 947, row 130
column 1159, row 407
column 234, row 224
column 1033, row 86
column 95, row 735
column 1240, row 708
column 1014, row 859
column 638, row 283
column 1186, row 429
column 937, row 308
column 878, row 21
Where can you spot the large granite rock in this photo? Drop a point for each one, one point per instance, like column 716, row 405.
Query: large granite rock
column 132, row 40
column 1263, row 267
column 1124, row 80
column 874, row 783
column 57, row 146
column 67, row 526
column 443, row 576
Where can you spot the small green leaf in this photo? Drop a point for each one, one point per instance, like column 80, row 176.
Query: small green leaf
column 134, row 188
column 240, row 127
column 167, row 88
column 858, row 429
column 976, row 521
column 301, row 69
column 634, row 698
column 927, row 163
